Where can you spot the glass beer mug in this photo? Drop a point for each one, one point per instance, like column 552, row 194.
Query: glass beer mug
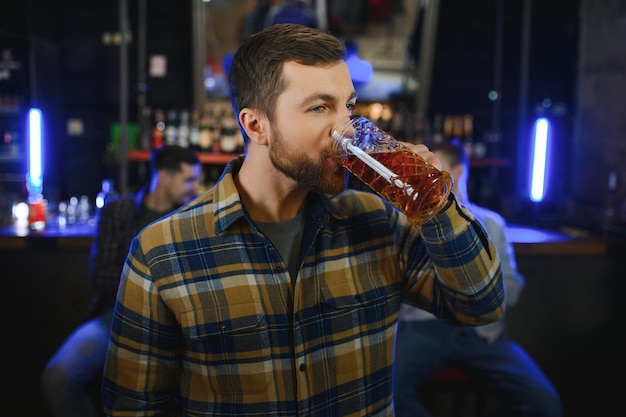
column 391, row 170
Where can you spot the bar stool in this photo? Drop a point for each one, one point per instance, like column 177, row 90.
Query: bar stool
column 457, row 391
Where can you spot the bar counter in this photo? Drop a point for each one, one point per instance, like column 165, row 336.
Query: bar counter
column 566, row 318
column 527, row 240
column 73, row 236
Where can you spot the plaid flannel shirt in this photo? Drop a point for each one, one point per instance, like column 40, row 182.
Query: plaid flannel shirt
column 208, row 323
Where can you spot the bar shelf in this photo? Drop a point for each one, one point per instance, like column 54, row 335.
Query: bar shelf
column 206, row 158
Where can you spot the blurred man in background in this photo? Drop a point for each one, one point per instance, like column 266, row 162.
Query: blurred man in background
column 424, row 344
column 175, row 175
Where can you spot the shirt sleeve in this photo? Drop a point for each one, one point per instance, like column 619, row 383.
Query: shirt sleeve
column 513, row 280
column 142, row 366
column 465, row 284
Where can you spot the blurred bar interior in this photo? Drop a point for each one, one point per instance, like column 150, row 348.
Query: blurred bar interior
column 111, row 82
column 113, row 79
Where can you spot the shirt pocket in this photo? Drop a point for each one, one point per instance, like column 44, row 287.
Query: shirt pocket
column 228, row 347
column 358, row 323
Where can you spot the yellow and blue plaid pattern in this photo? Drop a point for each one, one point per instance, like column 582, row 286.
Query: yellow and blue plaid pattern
column 208, row 322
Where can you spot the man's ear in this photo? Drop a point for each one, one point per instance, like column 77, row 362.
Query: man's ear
column 164, row 176
column 254, row 125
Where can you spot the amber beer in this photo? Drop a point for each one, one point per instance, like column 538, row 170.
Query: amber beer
column 393, row 171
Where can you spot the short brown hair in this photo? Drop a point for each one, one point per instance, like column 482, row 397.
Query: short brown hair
column 256, row 72
column 454, row 151
column 171, row 158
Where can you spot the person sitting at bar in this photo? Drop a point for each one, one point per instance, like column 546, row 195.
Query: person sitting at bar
column 174, row 180
column 424, row 344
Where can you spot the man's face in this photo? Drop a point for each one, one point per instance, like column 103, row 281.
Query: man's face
column 315, row 100
column 183, row 185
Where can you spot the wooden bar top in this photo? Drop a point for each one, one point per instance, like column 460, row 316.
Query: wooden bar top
column 74, row 236
column 527, row 240
column 207, row 158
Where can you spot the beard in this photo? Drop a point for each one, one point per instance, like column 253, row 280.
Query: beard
column 313, row 175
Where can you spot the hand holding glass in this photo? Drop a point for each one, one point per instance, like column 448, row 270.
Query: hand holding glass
column 392, row 170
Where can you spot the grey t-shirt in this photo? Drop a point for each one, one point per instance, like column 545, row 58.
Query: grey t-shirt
column 286, row 237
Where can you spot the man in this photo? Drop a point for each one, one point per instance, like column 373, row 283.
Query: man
column 425, row 344
column 277, row 292
column 175, row 174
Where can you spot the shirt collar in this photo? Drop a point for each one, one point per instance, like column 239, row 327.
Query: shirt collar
column 228, row 207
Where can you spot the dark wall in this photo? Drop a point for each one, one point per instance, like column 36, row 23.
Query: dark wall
column 87, row 76
column 568, row 318
column 600, row 142
column 468, row 65
column 49, row 295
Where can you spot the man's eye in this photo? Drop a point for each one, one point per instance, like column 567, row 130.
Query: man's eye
column 318, row 109
column 350, row 106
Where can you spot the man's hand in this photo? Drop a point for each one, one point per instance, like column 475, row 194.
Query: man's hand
column 427, row 155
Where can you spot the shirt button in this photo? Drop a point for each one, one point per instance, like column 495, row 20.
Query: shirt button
column 222, row 326
column 302, row 367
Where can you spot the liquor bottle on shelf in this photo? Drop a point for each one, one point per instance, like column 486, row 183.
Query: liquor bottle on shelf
column 468, row 125
column 158, row 129
column 107, row 191
column 228, row 141
column 84, row 209
column 470, row 145
column 145, row 141
column 194, row 131
column 37, row 214
column 457, row 126
column 184, row 129
column 205, row 139
column 171, row 128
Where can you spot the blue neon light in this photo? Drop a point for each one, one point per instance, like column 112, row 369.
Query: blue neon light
column 35, row 171
column 540, row 152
